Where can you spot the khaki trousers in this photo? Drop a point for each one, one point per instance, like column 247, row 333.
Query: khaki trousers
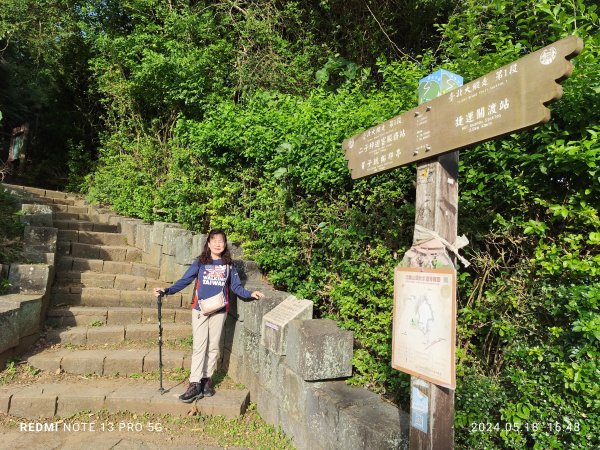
column 206, row 334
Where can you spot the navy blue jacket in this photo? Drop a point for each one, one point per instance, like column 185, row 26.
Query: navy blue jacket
column 210, row 280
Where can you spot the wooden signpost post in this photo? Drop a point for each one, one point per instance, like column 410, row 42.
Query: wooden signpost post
column 506, row 100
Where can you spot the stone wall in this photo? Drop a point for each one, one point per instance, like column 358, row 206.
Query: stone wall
column 295, row 376
column 23, row 309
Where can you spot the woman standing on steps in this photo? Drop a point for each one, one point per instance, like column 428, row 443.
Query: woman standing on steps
column 214, row 273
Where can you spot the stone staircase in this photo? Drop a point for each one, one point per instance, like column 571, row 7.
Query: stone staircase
column 103, row 321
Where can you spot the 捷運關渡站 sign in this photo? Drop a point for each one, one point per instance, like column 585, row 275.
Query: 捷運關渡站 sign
column 505, row 100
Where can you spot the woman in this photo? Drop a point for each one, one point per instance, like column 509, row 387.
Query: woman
column 213, row 272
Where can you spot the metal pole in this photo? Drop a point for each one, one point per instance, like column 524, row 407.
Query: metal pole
column 160, row 341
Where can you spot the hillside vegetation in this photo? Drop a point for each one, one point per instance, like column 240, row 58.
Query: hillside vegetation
column 232, row 114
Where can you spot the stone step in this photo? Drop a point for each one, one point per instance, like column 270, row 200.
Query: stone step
column 56, row 207
column 114, row 297
column 57, row 201
column 115, row 334
column 92, row 237
column 122, row 253
column 137, row 396
column 69, row 263
column 109, row 362
column 75, row 316
column 84, row 225
column 76, row 279
column 90, row 217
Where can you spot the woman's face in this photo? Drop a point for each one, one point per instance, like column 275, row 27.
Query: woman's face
column 216, row 244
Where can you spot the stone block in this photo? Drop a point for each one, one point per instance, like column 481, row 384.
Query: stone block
column 227, row 403
column 248, row 271
column 64, row 248
column 100, row 297
column 85, row 251
column 117, row 267
column 31, row 403
column 29, row 316
column 29, row 278
column 135, row 298
column 124, row 316
column 72, row 402
column 169, row 239
column 198, row 241
column 172, row 359
column 251, row 343
column 256, row 310
column 267, row 404
column 158, row 231
column 324, row 405
column 41, row 220
column 84, row 362
column 77, row 209
column 123, row 362
column 141, row 332
column 270, row 369
column 233, row 364
column 129, row 398
column 275, row 323
column 112, row 253
column 41, row 237
column 129, row 282
column 73, row 336
column 6, row 394
column 129, row 229
column 108, row 334
column 295, row 429
column 153, row 255
column 9, row 326
column 294, row 391
column 98, row 279
column 232, row 335
column 37, row 215
column 167, row 268
column 78, row 315
column 183, row 248
column 143, row 236
column 81, row 264
column 99, row 238
column 150, row 315
column 134, row 254
column 47, row 360
column 376, row 425
column 183, row 314
column 68, row 235
column 319, row 350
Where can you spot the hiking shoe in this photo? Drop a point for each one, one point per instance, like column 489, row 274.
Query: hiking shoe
column 194, row 391
column 207, row 387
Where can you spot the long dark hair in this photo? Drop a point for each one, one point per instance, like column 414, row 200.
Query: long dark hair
column 206, row 258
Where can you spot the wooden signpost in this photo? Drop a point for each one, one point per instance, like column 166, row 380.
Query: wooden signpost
column 506, row 100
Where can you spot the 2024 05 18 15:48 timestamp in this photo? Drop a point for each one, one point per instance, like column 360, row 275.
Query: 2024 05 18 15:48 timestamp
column 552, row 427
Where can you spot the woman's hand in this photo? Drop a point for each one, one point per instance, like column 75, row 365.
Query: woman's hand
column 158, row 292
column 257, row 294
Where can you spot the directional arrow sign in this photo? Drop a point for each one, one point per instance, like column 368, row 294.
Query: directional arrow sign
column 508, row 99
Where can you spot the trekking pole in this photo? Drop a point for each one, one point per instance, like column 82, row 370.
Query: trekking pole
column 160, row 341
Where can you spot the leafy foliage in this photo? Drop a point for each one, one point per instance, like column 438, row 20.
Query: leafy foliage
column 232, row 115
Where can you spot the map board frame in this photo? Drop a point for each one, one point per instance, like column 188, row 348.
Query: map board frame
column 425, row 280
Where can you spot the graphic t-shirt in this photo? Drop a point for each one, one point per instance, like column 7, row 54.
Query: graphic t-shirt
column 210, row 279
